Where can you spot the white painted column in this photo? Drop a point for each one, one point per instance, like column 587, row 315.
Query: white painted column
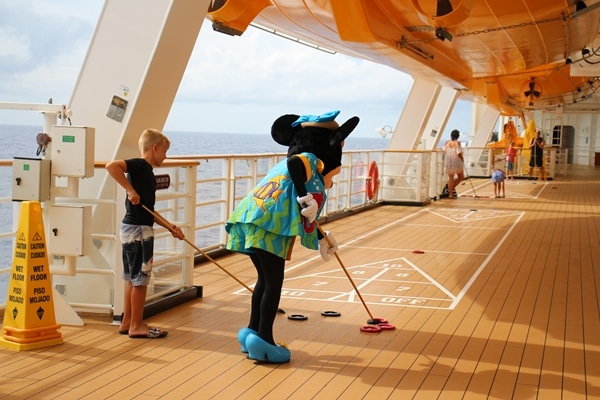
column 128, row 82
column 485, row 119
column 417, row 111
column 440, row 113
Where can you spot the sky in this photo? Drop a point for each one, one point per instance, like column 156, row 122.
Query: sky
column 232, row 84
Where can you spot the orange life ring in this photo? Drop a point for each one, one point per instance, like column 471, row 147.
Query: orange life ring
column 372, row 180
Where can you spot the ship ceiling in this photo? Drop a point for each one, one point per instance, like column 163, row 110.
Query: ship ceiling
column 513, row 55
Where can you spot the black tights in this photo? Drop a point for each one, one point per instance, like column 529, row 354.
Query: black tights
column 267, row 292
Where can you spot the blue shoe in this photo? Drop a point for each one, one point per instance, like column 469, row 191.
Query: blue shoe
column 260, row 350
column 242, row 335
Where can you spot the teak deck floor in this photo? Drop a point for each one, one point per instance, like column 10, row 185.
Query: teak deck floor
column 491, row 299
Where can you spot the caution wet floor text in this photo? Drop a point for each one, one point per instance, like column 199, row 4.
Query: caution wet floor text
column 29, row 318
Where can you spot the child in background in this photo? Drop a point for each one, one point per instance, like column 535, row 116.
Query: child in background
column 511, row 153
column 498, row 181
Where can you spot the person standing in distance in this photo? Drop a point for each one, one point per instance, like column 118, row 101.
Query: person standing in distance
column 536, row 145
column 454, row 165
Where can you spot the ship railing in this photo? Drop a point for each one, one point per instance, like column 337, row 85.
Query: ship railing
column 203, row 191
column 221, row 181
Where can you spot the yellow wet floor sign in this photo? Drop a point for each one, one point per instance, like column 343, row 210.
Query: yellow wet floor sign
column 29, row 320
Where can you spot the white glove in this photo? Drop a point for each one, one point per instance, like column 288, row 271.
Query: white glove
column 326, row 249
column 309, row 207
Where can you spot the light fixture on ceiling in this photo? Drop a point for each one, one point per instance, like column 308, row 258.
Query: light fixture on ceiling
column 222, row 28
column 568, row 61
column 293, row 39
column 384, row 131
column 585, row 52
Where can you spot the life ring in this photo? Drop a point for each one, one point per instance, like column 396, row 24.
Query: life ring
column 372, row 180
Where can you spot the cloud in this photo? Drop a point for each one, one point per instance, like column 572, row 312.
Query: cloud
column 258, row 76
column 14, row 48
column 262, row 67
column 42, row 45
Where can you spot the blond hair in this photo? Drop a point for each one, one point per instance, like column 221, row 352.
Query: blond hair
column 150, row 137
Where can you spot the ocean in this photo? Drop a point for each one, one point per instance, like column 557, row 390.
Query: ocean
column 20, row 141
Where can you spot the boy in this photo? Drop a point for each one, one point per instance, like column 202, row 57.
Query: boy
column 498, row 181
column 511, row 153
column 135, row 175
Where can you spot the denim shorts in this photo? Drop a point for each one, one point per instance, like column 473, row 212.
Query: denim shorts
column 137, row 242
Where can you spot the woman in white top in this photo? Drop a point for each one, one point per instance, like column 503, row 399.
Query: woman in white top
column 454, row 162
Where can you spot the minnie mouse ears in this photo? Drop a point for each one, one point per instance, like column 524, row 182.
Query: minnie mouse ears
column 316, row 134
column 286, row 127
column 282, row 130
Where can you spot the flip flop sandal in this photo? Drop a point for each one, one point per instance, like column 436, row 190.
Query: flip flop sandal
column 153, row 333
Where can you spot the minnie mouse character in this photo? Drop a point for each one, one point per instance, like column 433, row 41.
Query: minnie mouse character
column 285, row 204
